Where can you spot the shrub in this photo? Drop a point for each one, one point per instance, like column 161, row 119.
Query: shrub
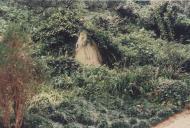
column 73, row 125
column 133, row 121
column 36, row 121
column 84, row 118
column 60, row 21
column 176, row 93
column 165, row 113
column 103, row 124
column 62, row 66
column 120, row 124
column 58, row 117
column 155, row 120
column 128, row 11
column 95, row 5
column 142, row 124
column 166, row 20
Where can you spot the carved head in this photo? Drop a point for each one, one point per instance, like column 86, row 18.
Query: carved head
column 82, row 40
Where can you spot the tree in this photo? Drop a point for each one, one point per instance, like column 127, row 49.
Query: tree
column 17, row 77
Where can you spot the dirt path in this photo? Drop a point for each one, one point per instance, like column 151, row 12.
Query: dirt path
column 181, row 120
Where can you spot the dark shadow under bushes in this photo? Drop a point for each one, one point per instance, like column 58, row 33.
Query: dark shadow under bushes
column 59, row 44
column 110, row 52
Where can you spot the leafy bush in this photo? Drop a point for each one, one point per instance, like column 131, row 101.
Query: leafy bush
column 165, row 114
column 120, row 124
column 35, row 121
column 165, row 20
column 62, row 66
column 56, row 35
column 73, row 125
column 176, row 92
column 128, row 11
column 133, row 121
column 142, row 124
column 103, row 124
column 155, row 120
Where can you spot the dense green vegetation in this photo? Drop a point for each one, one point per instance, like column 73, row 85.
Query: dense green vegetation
column 145, row 48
